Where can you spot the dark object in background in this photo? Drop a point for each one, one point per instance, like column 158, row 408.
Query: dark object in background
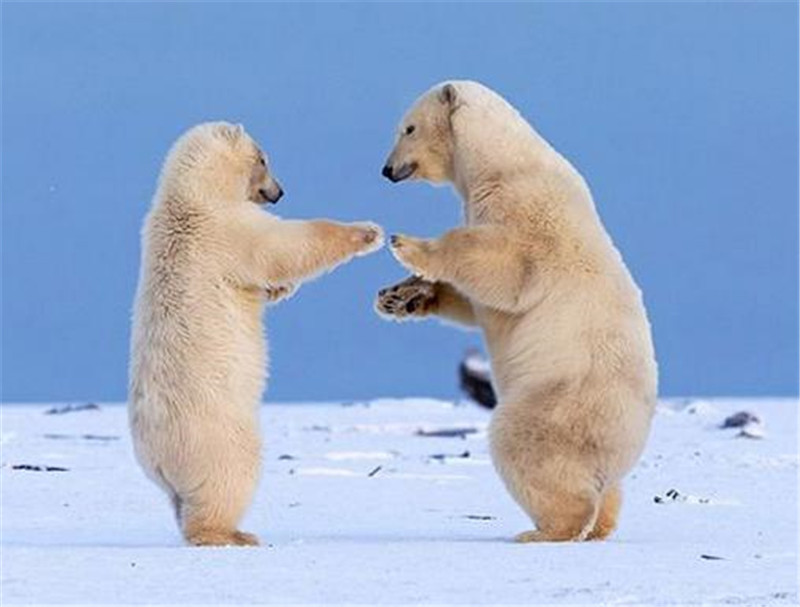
column 444, row 457
column 475, row 379
column 447, row 432
column 740, row 420
column 33, row 468
column 752, row 426
column 72, row 409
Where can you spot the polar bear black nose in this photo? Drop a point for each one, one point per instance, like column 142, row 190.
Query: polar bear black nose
column 387, row 171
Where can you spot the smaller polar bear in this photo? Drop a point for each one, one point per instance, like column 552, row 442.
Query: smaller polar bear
column 567, row 333
column 210, row 259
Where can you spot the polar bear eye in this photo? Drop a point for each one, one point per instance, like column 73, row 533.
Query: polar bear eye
column 262, row 161
column 410, row 129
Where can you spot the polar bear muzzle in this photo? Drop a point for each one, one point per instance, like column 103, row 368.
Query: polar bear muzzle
column 271, row 193
column 403, row 172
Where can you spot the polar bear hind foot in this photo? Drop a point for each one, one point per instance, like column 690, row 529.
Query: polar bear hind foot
column 607, row 518
column 587, row 523
column 221, row 537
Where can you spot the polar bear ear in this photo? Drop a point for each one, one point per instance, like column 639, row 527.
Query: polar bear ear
column 237, row 131
column 448, row 95
column 232, row 132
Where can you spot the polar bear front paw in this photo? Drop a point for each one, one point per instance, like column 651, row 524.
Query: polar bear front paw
column 414, row 254
column 413, row 297
column 367, row 237
column 275, row 293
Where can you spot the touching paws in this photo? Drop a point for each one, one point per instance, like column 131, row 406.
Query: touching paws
column 414, row 255
column 367, row 237
column 413, row 297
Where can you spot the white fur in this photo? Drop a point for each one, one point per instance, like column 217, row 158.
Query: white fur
column 210, row 259
column 534, row 269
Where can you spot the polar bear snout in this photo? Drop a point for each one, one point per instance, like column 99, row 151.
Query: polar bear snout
column 263, row 187
column 271, row 192
column 404, row 171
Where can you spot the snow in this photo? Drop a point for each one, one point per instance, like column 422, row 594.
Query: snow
column 359, row 504
column 477, row 364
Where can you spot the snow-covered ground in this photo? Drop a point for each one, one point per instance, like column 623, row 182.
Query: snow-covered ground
column 358, row 505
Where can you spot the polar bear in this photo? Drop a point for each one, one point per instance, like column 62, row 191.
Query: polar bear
column 566, row 330
column 211, row 258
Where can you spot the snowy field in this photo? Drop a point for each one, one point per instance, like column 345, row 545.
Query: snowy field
column 366, row 504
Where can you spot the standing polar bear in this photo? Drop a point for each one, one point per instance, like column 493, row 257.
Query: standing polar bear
column 210, row 259
column 567, row 333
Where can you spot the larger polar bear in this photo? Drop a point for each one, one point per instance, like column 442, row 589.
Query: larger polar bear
column 568, row 336
column 210, row 259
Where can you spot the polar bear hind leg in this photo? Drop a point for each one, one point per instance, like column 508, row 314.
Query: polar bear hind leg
column 210, row 513
column 609, row 512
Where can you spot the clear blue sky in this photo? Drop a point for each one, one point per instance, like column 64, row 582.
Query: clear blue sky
column 683, row 117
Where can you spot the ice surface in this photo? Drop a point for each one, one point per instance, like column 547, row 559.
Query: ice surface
column 357, row 506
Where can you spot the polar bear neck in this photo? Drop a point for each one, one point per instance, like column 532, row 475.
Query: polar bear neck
column 495, row 150
column 201, row 184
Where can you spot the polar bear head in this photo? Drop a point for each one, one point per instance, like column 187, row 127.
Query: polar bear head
column 457, row 130
column 220, row 161
column 423, row 147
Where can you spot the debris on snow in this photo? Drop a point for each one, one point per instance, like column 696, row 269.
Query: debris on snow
column 443, row 457
column 448, row 432
column 33, row 468
column 740, row 419
column 752, row 426
column 753, row 430
column 94, row 437
column 696, row 407
column 674, row 496
column 72, row 409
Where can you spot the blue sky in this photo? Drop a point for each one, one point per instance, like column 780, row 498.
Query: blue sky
column 682, row 117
